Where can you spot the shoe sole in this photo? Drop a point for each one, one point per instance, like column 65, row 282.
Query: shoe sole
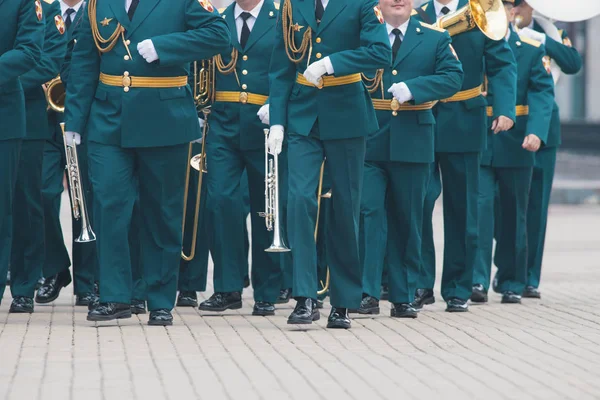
column 404, row 315
column 369, row 311
column 453, row 310
column 20, row 311
column 160, row 323
column 282, row 301
column 81, row 303
column 234, row 306
column 479, row 299
column 187, row 304
column 338, row 325
column 263, row 313
column 302, row 321
column 138, row 312
column 531, row 296
column 46, row 301
column 510, row 302
column 119, row 315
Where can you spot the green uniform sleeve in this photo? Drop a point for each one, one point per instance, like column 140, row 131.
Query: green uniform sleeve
column 53, row 54
column 207, row 36
column 282, row 75
column 540, row 98
column 374, row 51
column 83, row 80
column 501, row 70
column 447, row 79
column 26, row 51
column 567, row 57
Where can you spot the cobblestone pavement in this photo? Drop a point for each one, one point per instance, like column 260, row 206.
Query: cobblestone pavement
column 545, row 349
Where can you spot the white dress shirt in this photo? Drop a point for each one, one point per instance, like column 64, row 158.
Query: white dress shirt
column 402, row 28
column 239, row 21
column 452, row 6
column 324, row 2
column 64, row 7
column 127, row 5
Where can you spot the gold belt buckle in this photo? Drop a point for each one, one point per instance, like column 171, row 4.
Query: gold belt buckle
column 395, row 106
column 243, row 97
column 126, row 80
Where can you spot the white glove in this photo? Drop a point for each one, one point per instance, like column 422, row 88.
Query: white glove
column 315, row 71
column 263, row 114
column 201, row 123
column 531, row 34
column 72, row 137
column 147, row 50
column 275, row 140
column 401, row 92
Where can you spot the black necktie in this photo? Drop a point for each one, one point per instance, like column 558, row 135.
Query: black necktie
column 396, row 44
column 445, row 10
column 132, row 7
column 68, row 18
column 245, row 30
column 319, row 11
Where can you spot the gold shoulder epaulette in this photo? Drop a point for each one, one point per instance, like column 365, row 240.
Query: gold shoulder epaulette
column 432, row 27
column 531, row 42
column 49, row 1
column 424, row 8
column 414, row 12
column 560, row 32
column 222, row 10
column 277, row 6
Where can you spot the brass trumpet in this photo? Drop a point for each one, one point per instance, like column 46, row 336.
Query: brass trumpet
column 324, row 286
column 204, row 89
column 271, row 213
column 55, row 95
column 487, row 15
column 78, row 205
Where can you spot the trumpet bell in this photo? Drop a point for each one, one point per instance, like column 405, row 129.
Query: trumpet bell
column 56, row 95
column 86, row 236
column 196, row 161
column 486, row 15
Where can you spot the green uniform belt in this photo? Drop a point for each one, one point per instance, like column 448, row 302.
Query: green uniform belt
column 328, row 81
column 395, row 106
column 521, row 111
column 464, row 95
column 126, row 81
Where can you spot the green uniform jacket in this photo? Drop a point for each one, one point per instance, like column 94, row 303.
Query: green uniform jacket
column 21, row 39
column 568, row 59
column 53, row 54
column 65, row 69
column 535, row 88
column 181, row 31
column 427, row 65
column 462, row 126
column 252, row 71
column 355, row 40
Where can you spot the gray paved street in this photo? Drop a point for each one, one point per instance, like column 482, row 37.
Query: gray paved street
column 547, row 349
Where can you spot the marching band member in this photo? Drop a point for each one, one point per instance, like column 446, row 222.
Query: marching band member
column 424, row 69
column 568, row 59
column 237, row 142
column 318, row 98
column 27, row 254
column 85, row 259
column 129, row 92
column 461, row 132
column 507, row 167
column 21, row 41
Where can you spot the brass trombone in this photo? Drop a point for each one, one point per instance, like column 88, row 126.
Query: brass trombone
column 324, row 286
column 487, row 15
column 204, row 89
column 55, row 95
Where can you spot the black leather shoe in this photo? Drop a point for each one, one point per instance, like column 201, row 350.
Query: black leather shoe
column 495, row 283
column 305, row 312
column 85, row 299
column 162, row 317
column 369, row 305
column 284, row 296
column 403, row 310
column 511, row 298
column 109, row 311
column 338, row 319
column 138, row 306
column 187, row 298
column 21, row 304
column 39, row 283
column 52, row 286
column 479, row 295
column 222, row 301
column 94, row 303
column 531, row 292
column 385, row 293
column 263, row 308
column 457, row 305
column 423, row 297
column 320, row 304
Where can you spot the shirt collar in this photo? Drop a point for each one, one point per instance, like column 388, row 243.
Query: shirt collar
column 64, row 7
column 254, row 12
column 452, row 6
column 403, row 28
column 508, row 33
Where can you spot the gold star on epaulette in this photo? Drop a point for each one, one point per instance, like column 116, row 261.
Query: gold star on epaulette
column 297, row 28
column 106, row 21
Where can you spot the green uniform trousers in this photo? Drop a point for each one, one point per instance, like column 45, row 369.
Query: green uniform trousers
column 460, row 172
column 404, row 186
column 345, row 164
column 245, row 192
column 85, row 258
column 322, row 235
column 537, row 213
column 509, row 187
column 160, row 173
column 9, row 161
column 192, row 274
column 135, row 247
column 226, row 163
column 27, row 250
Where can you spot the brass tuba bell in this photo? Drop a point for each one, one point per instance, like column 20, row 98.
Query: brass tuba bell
column 55, row 95
column 487, row 15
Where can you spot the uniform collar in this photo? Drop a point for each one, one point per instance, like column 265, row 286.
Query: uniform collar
column 452, row 6
column 237, row 11
column 403, row 28
column 64, row 7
